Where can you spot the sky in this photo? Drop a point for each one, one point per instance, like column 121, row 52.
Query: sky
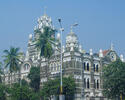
column 100, row 22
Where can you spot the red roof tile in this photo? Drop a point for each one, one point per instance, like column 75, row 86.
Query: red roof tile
column 105, row 52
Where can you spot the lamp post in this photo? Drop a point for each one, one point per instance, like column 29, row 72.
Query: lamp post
column 73, row 25
column 61, row 97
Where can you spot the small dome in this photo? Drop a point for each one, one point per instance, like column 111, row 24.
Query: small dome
column 71, row 38
column 71, row 41
column 44, row 21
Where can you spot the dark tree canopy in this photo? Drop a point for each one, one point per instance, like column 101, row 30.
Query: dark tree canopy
column 1, row 72
column 34, row 77
column 114, row 79
column 3, row 92
column 52, row 87
column 18, row 92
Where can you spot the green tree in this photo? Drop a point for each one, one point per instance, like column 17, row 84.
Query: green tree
column 51, row 87
column 24, row 82
column 3, row 92
column 114, row 80
column 34, row 96
column 34, row 77
column 44, row 41
column 18, row 92
column 12, row 59
column 44, row 44
column 69, row 88
column 1, row 72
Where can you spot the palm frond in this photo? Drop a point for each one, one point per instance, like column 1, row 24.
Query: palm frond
column 11, row 58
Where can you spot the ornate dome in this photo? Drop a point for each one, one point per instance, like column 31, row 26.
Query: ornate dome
column 44, row 21
column 71, row 41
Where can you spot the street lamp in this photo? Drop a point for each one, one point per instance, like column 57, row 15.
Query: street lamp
column 73, row 25
column 61, row 97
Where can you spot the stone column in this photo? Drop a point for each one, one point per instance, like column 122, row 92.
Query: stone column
column 101, row 80
column 92, row 92
column 82, row 78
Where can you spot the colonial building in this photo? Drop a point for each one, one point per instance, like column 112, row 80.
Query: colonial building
column 84, row 67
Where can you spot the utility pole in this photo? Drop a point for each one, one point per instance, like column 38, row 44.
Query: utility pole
column 61, row 97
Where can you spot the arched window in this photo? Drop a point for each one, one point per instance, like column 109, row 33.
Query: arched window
column 54, row 68
column 84, row 82
column 97, row 68
column 26, row 66
column 97, row 84
column 87, row 66
column 84, row 66
column 94, row 67
column 88, row 83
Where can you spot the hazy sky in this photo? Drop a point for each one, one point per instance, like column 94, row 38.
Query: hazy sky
column 100, row 21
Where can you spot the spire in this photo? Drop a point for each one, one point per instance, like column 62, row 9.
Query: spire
column 100, row 53
column 45, row 10
column 72, row 40
column 91, row 52
column 112, row 46
column 27, row 56
column 71, row 29
column 122, row 57
column 80, row 48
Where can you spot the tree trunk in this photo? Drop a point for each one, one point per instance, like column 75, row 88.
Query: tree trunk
column 11, row 79
column 47, row 69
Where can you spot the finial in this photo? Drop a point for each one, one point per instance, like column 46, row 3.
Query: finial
column 30, row 36
column 122, row 57
column 71, row 27
column 45, row 10
column 80, row 48
column 112, row 46
column 63, row 48
column 58, row 36
column 91, row 52
column 27, row 56
column 100, row 53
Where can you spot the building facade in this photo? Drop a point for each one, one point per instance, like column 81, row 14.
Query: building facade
column 85, row 68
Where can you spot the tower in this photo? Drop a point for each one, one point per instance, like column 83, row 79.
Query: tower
column 72, row 60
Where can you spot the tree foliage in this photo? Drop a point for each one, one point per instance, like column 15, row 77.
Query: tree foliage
column 114, row 79
column 18, row 92
column 52, row 87
column 3, row 91
column 34, row 77
column 11, row 59
column 24, row 82
column 43, row 43
column 1, row 72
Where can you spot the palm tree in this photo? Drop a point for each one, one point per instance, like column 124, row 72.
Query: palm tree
column 1, row 72
column 12, row 59
column 44, row 44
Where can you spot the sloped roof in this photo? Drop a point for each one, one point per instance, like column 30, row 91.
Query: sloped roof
column 105, row 52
